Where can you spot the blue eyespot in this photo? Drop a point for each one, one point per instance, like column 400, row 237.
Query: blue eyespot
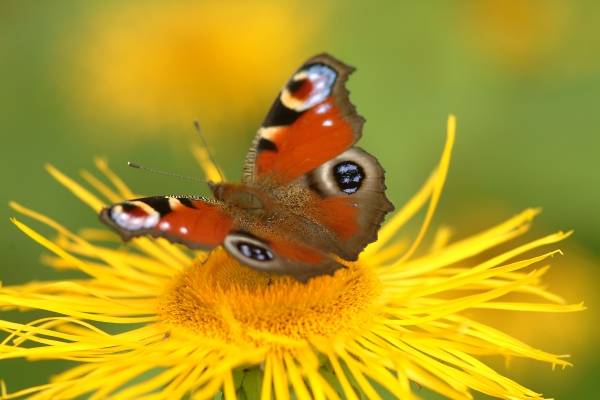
column 348, row 176
column 254, row 252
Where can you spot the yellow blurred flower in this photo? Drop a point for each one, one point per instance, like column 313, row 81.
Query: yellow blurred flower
column 519, row 34
column 169, row 63
column 205, row 323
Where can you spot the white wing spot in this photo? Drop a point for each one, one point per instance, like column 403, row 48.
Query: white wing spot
column 323, row 108
column 133, row 223
column 327, row 122
column 164, row 226
column 183, row 230
column 151, row 220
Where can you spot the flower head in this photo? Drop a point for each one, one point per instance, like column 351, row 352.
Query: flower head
column 194, row 324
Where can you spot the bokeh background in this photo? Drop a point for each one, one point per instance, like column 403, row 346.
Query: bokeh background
column 125, row 79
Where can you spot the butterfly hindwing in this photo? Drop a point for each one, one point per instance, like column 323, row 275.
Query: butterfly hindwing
column 310, row 122
column 197, row 223
column 352, row 201
column 307, row 139
column 278, row 255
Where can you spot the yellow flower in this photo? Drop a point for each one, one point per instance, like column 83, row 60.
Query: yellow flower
column 168, row 63
column 195, row 325
column 519, row 34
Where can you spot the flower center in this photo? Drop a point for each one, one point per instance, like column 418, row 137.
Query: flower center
column 221, row 299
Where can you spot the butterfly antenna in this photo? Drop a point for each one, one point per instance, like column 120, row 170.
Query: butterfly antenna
column 159, row 172
column 205, row 144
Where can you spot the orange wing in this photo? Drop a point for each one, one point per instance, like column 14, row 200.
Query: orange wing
column 310, row 122
column 196, row 223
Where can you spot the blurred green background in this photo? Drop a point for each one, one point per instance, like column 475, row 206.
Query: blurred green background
column 124, row 80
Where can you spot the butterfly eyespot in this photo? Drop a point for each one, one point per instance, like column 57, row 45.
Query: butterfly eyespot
column 254, row 252
column 299, row 87
column 349, row 176
column 249, row 250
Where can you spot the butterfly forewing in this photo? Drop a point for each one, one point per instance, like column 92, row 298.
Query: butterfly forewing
column 310, row 122
column 197, row 223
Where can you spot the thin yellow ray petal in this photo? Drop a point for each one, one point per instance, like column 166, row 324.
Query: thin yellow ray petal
column 117, row 182
column 474, row 373
column 438, row 187
column 26, row 392
column 362, row 382
column 340, row 374
column 300, row 389
column 174, row 251
column 89, row 304
column 97, row 273
column 478, row 273
column 386, row 254
column 100, row 187
column 478, row 367
column 179, row 387
column 532, row 307
column 267, row 381
column 400, row 217
column 154, row 250
column 65, row 310
column 498, row 339
column 151, row 384
column 114, row 258
column 449, row 376
column 90, row 287
column 228, row 386
column 501, row 279
column 208, row 390
column 310, row 366
column 95, row 251
column 211, row 171
column 17, row 334
column 98, row 235
column 280, row 379
column 75, row 372
column 492, row 262
column 84, row 195
column 51, row 322
column 428, row 379
column 470, row 246
column 453, row 306
column 404, row 382
column 441, row 239
column 382, row 351
column 375, row 363
column 104, row 380
column 134, row 260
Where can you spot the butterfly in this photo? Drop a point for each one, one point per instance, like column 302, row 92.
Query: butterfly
column 308, row 195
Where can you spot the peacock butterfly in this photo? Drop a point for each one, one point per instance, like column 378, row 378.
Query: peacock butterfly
column 307, row 194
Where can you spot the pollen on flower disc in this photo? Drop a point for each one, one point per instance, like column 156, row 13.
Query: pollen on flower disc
column 221, row 299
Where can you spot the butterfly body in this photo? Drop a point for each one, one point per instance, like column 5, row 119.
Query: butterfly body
column 307, row 198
